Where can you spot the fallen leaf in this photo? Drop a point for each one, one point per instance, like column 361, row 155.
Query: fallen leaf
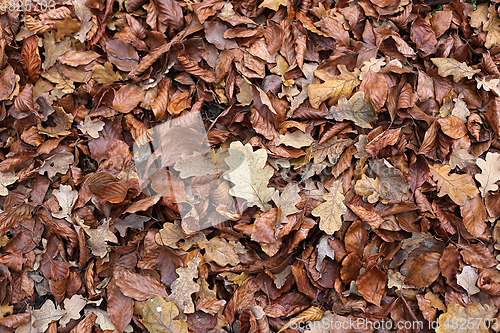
column 332, row 148
column 357, row 109
column 273, row 4
column 458, row 187
column 468, row 279
column 58, row 163
column 99, row 238
column 170, row 234
column 368, row 188
column 424, row 270
column 371, row 285
column 6, row 179
column 183, row 286
column 330, row 212
column 138, row 286
column 296, row 139
column 158, row 316
column 66, row 197
column 480, row 314
column 490, row 173
column 90, row 127
column 72, row 306
column 334, row 87
column 286, row 203
column 219, row 251
column 47, row 314
column 450, row 66
column 250, row 175
column 105, row 74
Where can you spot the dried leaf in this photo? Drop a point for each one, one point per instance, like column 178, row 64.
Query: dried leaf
column 330, row 212
column 47, row 314
column 490, row 173
column 66, row 197
column 450, row 66
column 250, row 175
column 219, row 251
column 158, row 316
column 468, row 279
column 183, row 286
column 357, row 109
column 458, row 187
column 480, row 314
column 334, row 87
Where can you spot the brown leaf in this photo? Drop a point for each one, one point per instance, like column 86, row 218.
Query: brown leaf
column 31, row 58
column 192, row 67
column 459, row 188
column 371, row 285
column 76, row 58
column 170, row 13
column 7, row 82
column 86, row 325
column 387, row 138
column 452, row 126
column 139, row 287
column 127, row 98
column 120, row 307
column 474, row 215
column 424, row 270
column 423, row 35
column 477, row 255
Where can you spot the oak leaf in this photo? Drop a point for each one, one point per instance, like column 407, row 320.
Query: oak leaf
column 374, row 64
column 324, row 250
column 332, row 148
column 159, row 316
column 170, row 234
column 334, row 87
column 197, row 165
column 63, row 123
column 297, row 139
column 250, row 174
column 468, row 279
column 330, row 212
column 90, row 127
column 357, row 109
column 458, row 187
column 72, row 306
column 184, row 286
column 99, row 238
column 480, row 314
column 273, row 4
column 105, row 74
column 219, row 251
column 58, row 163
column 492, row 27
column 286, row 204
column 368, row 188
column 6, row 179
column 47, row 314
column 490, row 173
column 450, row 66
column 66, row 197
column 132, row 221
